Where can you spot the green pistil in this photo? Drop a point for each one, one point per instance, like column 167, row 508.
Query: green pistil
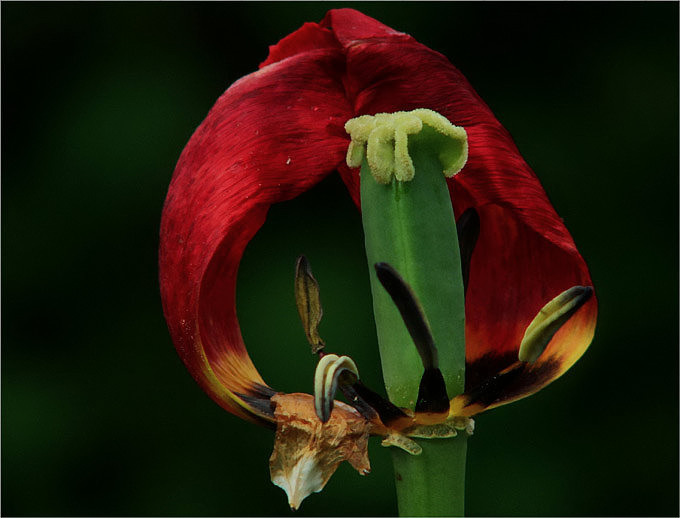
column 409, row 223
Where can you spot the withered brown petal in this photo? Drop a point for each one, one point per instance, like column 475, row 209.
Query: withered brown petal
column 307, row 452
column 308, row 301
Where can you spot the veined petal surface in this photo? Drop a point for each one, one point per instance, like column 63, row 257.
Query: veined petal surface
column 272, row 135
column 524, row 256
column 278, row 131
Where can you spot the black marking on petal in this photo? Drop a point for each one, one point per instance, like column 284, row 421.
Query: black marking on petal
column 432, row 396
column 468, row 233
column 261, row 407
column 515, row 380
column 262, row 391
column 486, row 367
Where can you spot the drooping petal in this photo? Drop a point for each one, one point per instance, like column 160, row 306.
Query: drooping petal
column 272, row 135
column 524, row 256
column 276, row 132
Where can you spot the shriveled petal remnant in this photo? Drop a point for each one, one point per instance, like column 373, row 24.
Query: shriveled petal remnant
column 307, row 452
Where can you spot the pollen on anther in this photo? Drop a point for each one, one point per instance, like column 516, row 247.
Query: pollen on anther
column 383, row 140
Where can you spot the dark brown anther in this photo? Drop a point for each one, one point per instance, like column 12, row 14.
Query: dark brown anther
column 364, row 400
column 432, row 395
column 411, row 313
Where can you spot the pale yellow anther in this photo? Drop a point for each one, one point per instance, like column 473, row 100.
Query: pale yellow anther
column 550, row 319
column 326, row 380
column 355, row 153
column 402, row 442
column 380, row 153
column 403, row 165
column 383, row 139
column 446, row 429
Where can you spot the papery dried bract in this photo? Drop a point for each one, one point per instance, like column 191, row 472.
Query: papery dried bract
column 307, row 452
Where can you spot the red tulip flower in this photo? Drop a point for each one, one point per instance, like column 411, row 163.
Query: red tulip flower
column 279, row 131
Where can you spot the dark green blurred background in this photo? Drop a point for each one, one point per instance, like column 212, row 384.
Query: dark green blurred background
column 99, row 416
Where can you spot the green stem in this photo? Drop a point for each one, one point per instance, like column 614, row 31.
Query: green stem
column 432, row 483
column 411, row 226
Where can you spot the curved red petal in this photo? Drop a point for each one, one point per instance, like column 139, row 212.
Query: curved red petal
column 350, row 26
column 308, row 38
column 272, row 135
column 524, row 256
column 250, row 152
